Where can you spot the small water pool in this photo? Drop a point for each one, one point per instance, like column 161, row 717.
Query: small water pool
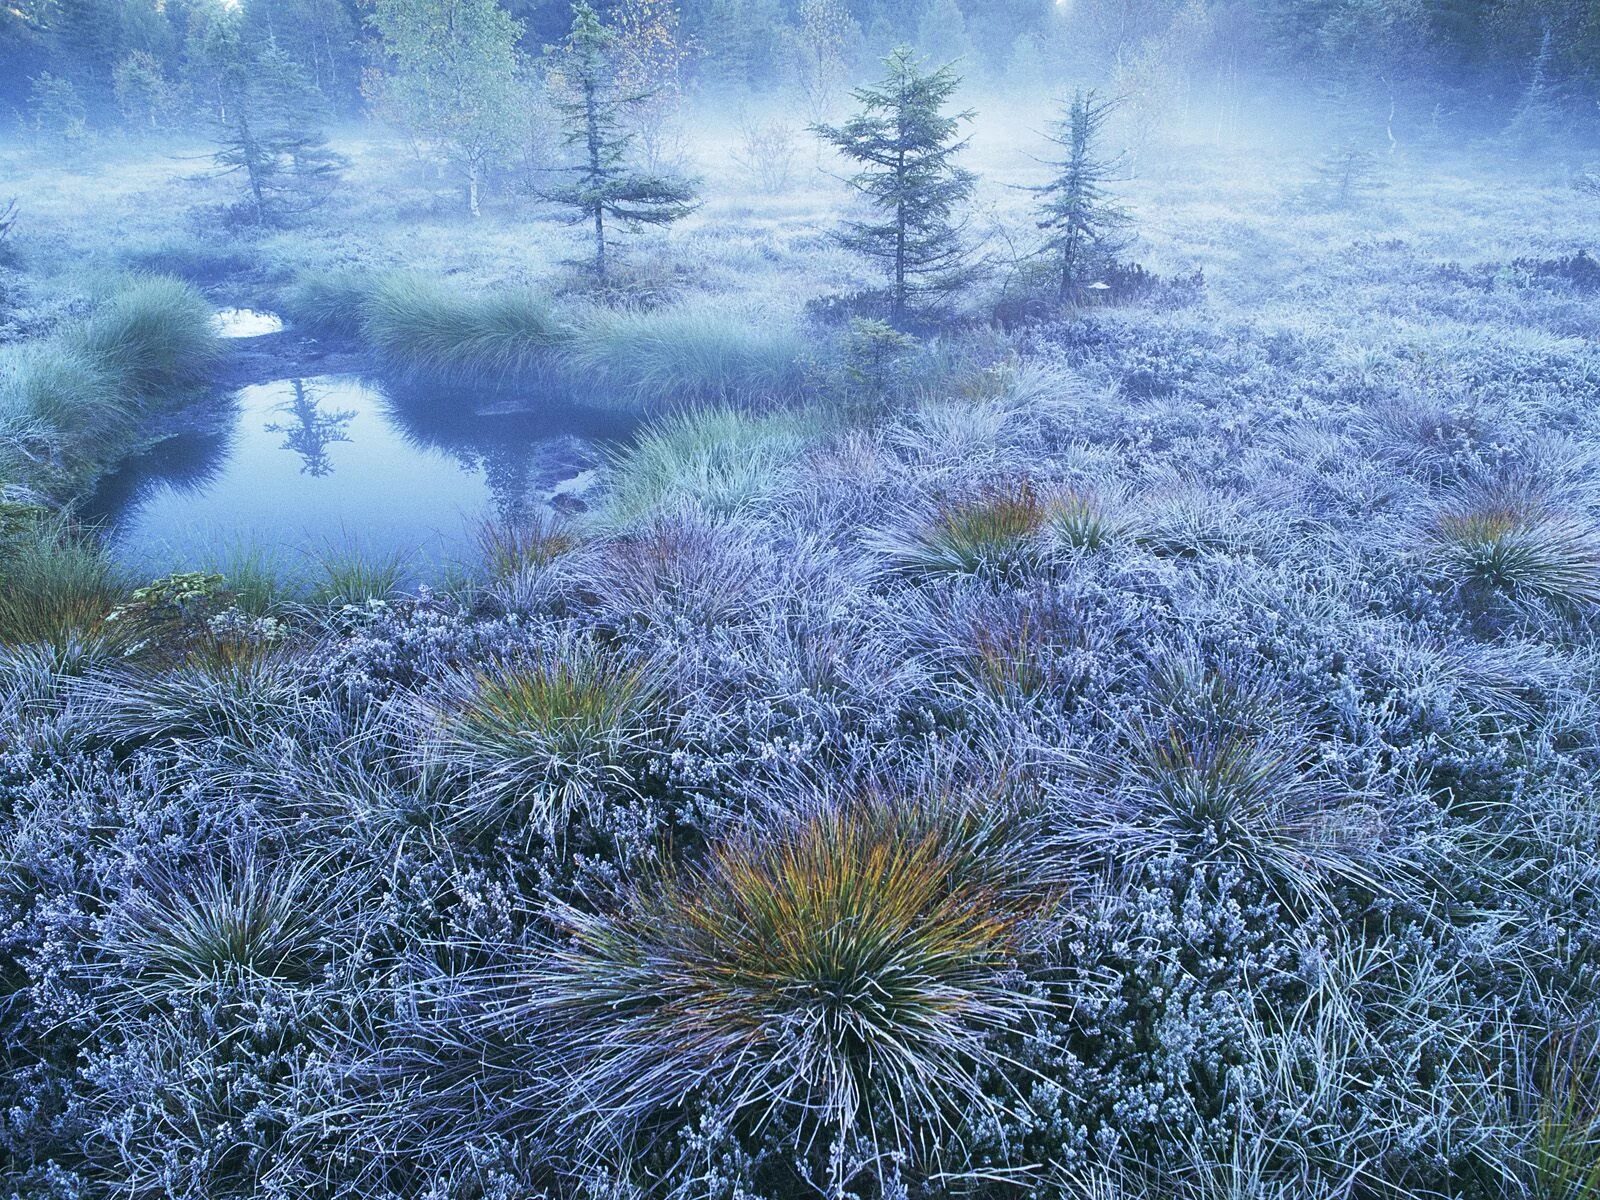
column 245, row 323
column 305, row 466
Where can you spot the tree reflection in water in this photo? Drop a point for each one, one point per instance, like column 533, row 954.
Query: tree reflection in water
column 310, row 431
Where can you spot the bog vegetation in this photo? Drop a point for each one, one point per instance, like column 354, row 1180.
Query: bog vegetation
column 1078, row 677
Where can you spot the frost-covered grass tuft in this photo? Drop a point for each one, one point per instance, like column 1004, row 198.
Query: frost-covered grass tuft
column 72, row 406
column 717, row 458
column 1216, row 771
column 843, row 971
column 688, row 352
column 240, row 693
column 220, row 923
column 328, row 302
column 509, row 548
column 1509, row 535
column 1089, row 519
column 998, row 530
column 64, row 399
column 536, row 740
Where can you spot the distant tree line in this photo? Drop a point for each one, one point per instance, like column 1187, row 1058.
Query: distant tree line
column 134, row 61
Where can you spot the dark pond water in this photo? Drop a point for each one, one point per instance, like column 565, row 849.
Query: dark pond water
column 341, row 462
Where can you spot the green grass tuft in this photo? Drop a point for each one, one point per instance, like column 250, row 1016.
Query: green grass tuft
column 426, row 326
column 1564, row 1157
column 154, row 337
column 718, row 458
column 684, row 353
column 535, row 740
column 61, row 411
column 56, row 585
column 347, row 575
column 1510, row 537
column 998, row 530
column 328, row 302
column 509, row 548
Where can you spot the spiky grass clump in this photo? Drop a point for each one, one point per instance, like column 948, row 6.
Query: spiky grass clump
column 687, row 352
column 842, row 968
column 69, row 407
column 225, row 923
column 154, row 336
column 999, row 530
column 428, row 327
column 539, row 739
column 237, row 691
column 57, row 585
column 259, row 582
column 718, row 458
column 62, row 418
column 1217, row 772
column 345, row 574
column 1087, row 519
column 676, row 567
column 1563, row 1154
column 510, row 548
column 65, row 390
column 1012, row 645
column 1507, row 536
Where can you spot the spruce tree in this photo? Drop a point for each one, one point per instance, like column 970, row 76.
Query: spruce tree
column 591, row 103
column 8, row 225
column 1537, row 123
column 267, row 130
column 1082, row 223
column 1348, row 174
column 906, row 144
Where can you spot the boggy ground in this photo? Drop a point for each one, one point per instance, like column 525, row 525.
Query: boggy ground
column 1144, row 753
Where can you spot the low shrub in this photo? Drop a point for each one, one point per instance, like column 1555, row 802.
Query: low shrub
column 1580, row 271
column 192, row 259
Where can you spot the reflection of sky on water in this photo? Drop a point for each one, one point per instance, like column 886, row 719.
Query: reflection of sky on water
column 334, row 459
column 245, row 322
